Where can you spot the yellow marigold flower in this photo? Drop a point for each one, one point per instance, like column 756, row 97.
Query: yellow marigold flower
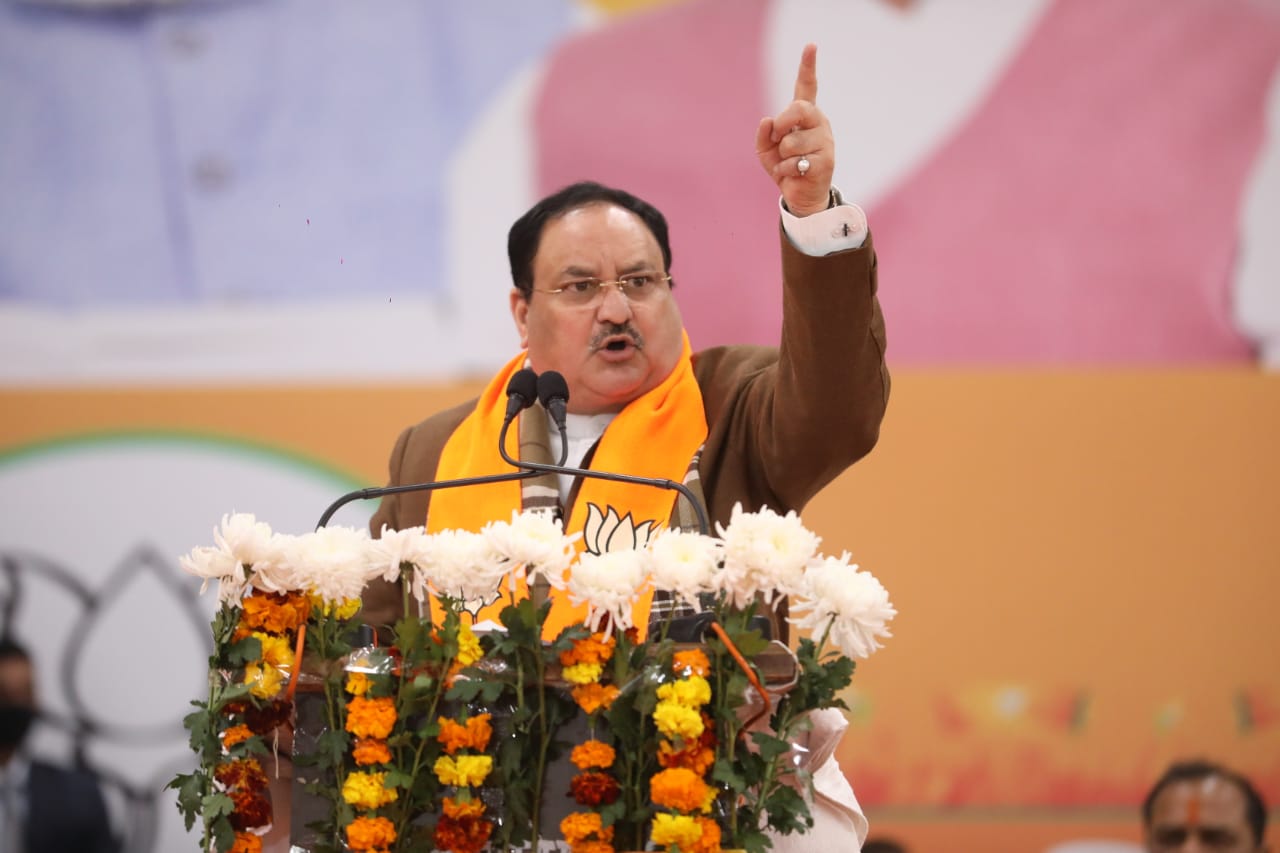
column 593, row 697
column 469, row 650
column 358, row 683
column 675, row 829
column 681, row 789
column 371, row 751
column 580, row 826
column 473, row 734
column 583, row 673
column 246, row 842
column 264, row 681
column 235, row 735
column 373, row 718
column 692, row 692
column 368, row 790
column 348, row 608
column 370, row 833
column 463, row 809
column 691, row 662
column 463, row 770
column 592, row 753
column 677, row 721
column 276, row 650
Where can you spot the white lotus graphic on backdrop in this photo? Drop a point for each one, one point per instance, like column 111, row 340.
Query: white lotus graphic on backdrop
column 90, row 534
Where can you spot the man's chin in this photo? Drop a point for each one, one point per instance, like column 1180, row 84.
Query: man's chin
column 613, row 393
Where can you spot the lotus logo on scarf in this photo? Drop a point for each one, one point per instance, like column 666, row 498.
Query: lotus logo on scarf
column 606, row 532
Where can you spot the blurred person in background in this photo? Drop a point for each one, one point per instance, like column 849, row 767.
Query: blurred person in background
column 1201, row 806
column 43, row 808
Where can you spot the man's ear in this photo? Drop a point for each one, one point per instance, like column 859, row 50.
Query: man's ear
column 520, row 313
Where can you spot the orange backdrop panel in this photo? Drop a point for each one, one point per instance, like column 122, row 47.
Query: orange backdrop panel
column 1087, row 567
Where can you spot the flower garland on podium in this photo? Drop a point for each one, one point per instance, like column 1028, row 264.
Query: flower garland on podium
column 442, row 740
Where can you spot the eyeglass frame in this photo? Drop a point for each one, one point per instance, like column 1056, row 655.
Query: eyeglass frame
column 601, row 285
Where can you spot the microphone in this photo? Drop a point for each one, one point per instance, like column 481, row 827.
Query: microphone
column 553, row 393
column 557, row 395
column 521, row 392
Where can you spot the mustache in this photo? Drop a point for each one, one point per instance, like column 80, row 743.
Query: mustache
column 614, row 330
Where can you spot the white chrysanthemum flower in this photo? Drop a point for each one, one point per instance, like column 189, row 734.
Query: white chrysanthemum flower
column 216, row 564
column 332, row 562
column 460, row 564
column 764, row 553
column 245, row 538
column 276, row 569
column 533, row 542
column 608, row 584
column 684, row 563
column 852, row 603
column 389, row 553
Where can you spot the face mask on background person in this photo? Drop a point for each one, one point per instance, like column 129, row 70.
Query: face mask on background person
column 15, row 722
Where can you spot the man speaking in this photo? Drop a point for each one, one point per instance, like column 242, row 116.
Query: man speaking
column 594, row 300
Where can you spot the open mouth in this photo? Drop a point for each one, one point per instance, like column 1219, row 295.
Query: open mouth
column 618, row 344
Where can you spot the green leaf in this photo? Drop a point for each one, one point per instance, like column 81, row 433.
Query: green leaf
column 788, row 811
column 224, row 836
column 190, row 788
column 769, row 746
column 216, row 805
column 197, row 723
column 464, row 692
column 723, row 772
column 397, row 779
column 754, row 841
column 613, row 812
column 245, row 651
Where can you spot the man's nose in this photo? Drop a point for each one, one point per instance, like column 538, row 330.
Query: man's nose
column 614, row 307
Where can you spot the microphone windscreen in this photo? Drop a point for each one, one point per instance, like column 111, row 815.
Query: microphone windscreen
column 551, row 386
column 524, row 384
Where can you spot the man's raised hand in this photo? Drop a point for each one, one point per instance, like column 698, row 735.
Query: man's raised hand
column 796, row 147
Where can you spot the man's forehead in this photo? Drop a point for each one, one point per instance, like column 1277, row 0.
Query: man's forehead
column 585, row 236
column 1211, row 800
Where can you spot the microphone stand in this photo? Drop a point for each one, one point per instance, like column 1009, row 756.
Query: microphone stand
column 366, row 494
column 537, row 467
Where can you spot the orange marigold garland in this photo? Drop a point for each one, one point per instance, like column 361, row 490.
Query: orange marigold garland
column 462, row 826
column 686, row 754
column 273, row 621
column 583, row 666
column 371, row 718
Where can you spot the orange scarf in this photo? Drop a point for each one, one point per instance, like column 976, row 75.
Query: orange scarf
column 655, row 436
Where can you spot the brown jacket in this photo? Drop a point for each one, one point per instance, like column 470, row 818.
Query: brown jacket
column 782, row 423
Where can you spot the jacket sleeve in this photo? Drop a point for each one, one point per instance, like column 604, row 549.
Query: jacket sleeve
column 785, row 423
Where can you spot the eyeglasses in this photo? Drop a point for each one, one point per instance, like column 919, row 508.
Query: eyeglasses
column 637, row 288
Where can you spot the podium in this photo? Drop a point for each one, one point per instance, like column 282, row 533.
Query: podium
column 453, row 739
column 777, row 666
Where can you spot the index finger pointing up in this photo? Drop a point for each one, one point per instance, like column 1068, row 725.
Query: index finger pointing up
column 807, row 76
